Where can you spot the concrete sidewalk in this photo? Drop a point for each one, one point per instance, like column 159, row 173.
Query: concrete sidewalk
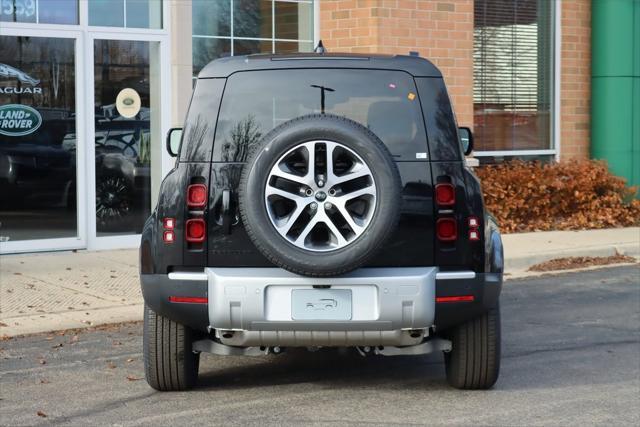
column 62, row 290
column 526, row 249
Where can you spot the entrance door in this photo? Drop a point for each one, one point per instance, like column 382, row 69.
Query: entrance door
column 41, row 117
column 126, row 129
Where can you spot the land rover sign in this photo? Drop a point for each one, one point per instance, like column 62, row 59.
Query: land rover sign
column 18, row 120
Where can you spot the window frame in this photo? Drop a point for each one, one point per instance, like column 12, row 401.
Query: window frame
column 273, row 39
column 554, row 128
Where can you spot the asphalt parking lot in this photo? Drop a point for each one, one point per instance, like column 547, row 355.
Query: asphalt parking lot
column 571, row 356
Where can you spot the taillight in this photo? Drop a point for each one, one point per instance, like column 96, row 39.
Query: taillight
column 189, row 300
column 169, row 223
column 474, row 224
column 195, row 230
column 456, row 298
column 445, row 194
column 446, row 229
column 168, row 236
column 196, row 195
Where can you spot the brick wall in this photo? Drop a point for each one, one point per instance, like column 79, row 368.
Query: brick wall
column 575, row 91
column 441, row 31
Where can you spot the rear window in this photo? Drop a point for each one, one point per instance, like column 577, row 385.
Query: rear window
column 257, row 101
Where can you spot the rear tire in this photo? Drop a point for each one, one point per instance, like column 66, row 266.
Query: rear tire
column 474, row 360
column 169, row 361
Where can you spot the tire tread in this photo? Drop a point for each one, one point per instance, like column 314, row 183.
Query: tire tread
column 474, row 360
column 169, row 363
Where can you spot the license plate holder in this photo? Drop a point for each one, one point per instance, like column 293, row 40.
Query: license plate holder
column 321, row 304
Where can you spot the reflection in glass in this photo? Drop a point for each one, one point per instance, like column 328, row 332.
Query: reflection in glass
column 126, row 13
column 253, row 28
column 144, row 13
column 292, row 47
column 206, row 50
column 384, row 101
column 294, row 20
column 106, row 13
column 248, row 47
column 252, row 18
column 122, row 144
column 37, row 169
column 58, row 11
column 211, row 18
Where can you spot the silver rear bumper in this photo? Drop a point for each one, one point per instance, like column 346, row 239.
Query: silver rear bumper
column 389, row 307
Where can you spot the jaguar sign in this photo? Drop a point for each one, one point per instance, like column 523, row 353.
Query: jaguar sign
column 8, row 71
column 19, row 120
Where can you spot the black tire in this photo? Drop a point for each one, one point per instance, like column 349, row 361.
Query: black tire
column 256, row 172
column 474, row 360
column 169, row 362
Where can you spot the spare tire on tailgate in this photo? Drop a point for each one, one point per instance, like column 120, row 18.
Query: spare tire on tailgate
column 320, row 195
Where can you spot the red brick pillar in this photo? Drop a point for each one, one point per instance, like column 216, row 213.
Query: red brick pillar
column 575, row 79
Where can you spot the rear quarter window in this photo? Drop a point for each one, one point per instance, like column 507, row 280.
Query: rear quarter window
column 444, row 144
column 255, row 102
column 200, row 126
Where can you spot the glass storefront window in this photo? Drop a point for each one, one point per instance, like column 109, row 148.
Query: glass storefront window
column 242, row 27
column 37, row 138
column 126, row 13
column 39, row 11
column 205, row 49
column 293, row 20
column 211, row 18
column 123, row 135
column 252, row 18
column 513, row 75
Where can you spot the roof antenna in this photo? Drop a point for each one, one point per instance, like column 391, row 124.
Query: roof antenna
column 320, row 48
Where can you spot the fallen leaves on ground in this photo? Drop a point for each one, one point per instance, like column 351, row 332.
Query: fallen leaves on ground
column 41, row 414
column 581, row 262
column 573, row 195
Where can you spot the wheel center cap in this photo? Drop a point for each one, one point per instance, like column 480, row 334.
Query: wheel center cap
column 320, row 196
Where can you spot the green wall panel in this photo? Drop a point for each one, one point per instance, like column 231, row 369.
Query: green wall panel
column 615, row 85
column 612, row 23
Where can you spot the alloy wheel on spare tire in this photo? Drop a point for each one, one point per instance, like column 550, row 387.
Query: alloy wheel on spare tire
column 320, row 195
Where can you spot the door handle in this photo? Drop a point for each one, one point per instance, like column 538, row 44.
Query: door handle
column 226, row 212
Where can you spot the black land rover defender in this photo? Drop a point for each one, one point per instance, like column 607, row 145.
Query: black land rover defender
column 321, row 201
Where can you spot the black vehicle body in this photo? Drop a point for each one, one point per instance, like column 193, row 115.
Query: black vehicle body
column 414, row 243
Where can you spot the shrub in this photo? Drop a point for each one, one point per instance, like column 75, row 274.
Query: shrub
column 529, row 196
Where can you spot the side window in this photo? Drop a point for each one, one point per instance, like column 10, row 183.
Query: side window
column 438, row 116
column 257, row 101
column 200, row 127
